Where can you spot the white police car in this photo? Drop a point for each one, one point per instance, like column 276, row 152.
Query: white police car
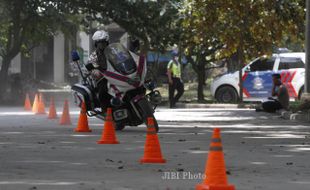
column 257, row 78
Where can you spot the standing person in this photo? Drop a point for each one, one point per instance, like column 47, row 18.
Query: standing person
column 282, row 97
column 174, row 79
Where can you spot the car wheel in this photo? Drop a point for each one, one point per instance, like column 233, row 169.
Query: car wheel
column 226, row 94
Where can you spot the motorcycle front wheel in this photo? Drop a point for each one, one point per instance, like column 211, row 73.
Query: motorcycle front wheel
column 119, row 126
column 147, row 111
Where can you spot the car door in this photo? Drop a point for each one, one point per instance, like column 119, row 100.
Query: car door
column 290, row 69
column 257, row 78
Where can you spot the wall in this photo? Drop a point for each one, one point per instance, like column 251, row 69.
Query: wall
column 59, row 61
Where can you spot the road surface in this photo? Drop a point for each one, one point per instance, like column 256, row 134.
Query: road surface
column 262, row 151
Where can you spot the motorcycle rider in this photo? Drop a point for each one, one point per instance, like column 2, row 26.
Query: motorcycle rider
column 117, row 77
column 97, row 63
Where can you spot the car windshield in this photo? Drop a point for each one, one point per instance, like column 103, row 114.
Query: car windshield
column 262, row 64
column 120, row 59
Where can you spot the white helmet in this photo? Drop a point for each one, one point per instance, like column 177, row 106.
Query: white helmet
column 100, row 35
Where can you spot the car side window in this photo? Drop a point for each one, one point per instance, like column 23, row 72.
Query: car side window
column 290, row 63
column 262, row 64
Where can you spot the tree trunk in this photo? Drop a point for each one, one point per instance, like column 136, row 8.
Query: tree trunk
column 233, row 63
column 201, row 81
column 199, row 68
column 155, row 68
column 144, row 47
column 4, row 76
column 241, row 62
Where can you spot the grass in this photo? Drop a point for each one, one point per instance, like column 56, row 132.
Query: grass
column 190, row 96
column 298, row 106
column 190, row 93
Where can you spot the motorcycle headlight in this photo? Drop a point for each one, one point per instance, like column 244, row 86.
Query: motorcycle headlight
column 151, row 85
column 155, row 97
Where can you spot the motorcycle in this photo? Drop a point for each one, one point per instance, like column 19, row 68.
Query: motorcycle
column 125, row 74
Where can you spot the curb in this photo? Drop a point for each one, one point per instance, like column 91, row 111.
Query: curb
column 197, row 105
column 182, row 105
column 299, row 116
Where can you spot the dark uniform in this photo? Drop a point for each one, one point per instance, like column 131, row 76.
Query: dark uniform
column 175, row 68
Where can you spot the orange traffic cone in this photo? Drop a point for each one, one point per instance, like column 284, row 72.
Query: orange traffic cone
column 108, row 133
column 41, row 107
column 27, row 105
column 52, row 110
column 65, row 118
column 35, row 105
column 152, row 151
column 83, row 121
column 215, row 170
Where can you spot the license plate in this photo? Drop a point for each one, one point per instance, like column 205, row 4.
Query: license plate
column 120, row 114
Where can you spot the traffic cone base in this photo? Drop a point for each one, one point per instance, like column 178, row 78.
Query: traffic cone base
column 41, row 106
column 82, row 125
column 83, row 130
column 35, row 105
column 27, row 105
column 108, row 133
column 152, row 151
column 52, row 110
column 215, row 170
column 65, row 117
column 152, row 160
column 107, row 142
column 215, row 187
column 41, row 110
column 52, row 116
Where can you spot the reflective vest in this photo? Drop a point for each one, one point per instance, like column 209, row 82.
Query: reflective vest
column 175, row 68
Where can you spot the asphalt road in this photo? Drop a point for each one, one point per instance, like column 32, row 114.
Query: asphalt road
column 262, row 151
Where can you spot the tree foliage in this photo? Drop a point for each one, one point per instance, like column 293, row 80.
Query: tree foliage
column 207, row 30
column 24, row 24
column 200, row 39
column 214, row 30
column 153, row 22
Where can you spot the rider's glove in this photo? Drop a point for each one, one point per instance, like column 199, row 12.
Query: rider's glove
column 96, row 73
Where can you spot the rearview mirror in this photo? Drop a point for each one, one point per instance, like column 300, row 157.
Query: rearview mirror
column 75, row 56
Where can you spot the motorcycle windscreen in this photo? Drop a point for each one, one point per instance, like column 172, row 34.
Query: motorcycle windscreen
column 120, row 59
